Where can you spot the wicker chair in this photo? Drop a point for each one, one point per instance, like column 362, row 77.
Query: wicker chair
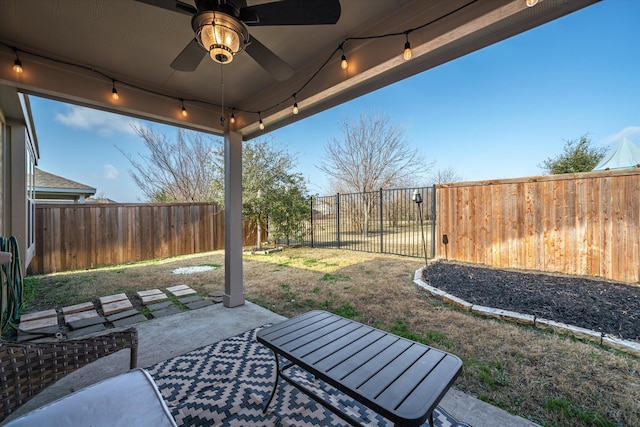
column 28, row 368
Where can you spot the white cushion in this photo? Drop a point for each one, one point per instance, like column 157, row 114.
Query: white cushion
column 130, row 399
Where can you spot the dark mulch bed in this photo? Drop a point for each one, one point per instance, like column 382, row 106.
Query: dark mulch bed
column 612, row 308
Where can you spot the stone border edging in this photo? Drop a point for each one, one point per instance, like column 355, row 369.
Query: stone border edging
column 529, row 319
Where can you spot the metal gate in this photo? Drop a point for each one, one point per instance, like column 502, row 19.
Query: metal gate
column 394, row 221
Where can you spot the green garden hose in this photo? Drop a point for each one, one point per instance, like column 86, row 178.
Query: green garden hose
column 12, row 271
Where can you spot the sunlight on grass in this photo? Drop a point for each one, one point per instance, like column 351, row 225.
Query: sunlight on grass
column 325, row 261
column 120, row 268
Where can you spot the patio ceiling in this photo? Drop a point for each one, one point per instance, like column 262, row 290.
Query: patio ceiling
column 71, row 50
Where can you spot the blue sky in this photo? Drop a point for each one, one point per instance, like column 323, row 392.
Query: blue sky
column 497, row 113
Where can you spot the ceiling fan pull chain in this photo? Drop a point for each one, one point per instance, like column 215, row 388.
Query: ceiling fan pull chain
column 221, row 96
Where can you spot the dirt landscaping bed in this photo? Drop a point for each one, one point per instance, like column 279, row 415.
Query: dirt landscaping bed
column 602, row 306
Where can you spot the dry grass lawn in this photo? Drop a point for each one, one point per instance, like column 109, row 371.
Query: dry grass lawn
column 552, row 380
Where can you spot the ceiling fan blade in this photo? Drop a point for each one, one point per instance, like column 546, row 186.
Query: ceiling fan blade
column 279, row 69
column 189, row 58
column 292, row 12
column 173, row 5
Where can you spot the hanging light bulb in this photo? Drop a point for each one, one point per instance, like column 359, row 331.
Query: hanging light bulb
column 232, row 120
column 184, row 110
column 260, row 124
column 17, row 64
column 343, row 63
column 407, row 49
column 114, row 91
column 295, row 109
column 531, row 3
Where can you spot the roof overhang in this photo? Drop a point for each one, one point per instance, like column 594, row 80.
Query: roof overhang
column 73, row 51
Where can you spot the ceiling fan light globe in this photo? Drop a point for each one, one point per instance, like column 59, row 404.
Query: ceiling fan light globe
column 221, row 35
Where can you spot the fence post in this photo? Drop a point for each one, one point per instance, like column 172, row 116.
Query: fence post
column 311, row 209
column 433, row 221
column 338, row 219
column 381, row 223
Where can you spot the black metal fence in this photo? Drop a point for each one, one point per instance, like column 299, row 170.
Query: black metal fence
column 385, row 221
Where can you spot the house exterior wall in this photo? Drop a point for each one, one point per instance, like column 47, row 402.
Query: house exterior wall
column 18, row 157
column 3, row 176
column 22, row 162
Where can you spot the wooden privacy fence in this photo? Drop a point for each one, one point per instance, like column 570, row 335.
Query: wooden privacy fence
column 583, row 224
column 80, row 236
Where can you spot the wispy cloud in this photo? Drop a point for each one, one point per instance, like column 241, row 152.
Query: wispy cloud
column 105, row 124
column 630, row 132
column 110, row 171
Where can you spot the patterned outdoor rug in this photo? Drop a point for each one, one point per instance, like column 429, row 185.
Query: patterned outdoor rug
column 227, row 384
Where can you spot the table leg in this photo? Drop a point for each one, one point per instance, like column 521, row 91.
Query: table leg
column 275, row 384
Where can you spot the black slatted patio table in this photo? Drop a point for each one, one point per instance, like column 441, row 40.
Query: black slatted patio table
column 400, row 379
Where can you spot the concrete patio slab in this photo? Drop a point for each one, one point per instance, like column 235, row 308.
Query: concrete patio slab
column 122, row 315
column 86, row 331
column 85, row 323
column 187, row 300
column 166, row 312
column 198, row 304
column 131, row 320
column 159, row 305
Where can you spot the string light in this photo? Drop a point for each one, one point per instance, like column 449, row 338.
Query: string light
column 531, row 3
column 114, row 91
column 222, row 119
column 343, row 63
column 17, row 64
column 17, row 67
column 407, row 48
column 184, row 110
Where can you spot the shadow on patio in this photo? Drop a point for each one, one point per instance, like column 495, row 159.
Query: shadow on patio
column 239, row 375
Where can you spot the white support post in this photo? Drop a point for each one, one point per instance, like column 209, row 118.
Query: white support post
column 233, row 284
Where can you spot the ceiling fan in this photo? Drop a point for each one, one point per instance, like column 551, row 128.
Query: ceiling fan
column 220, row 28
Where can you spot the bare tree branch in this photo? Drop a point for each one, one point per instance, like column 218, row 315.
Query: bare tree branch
column 177, row 171
column 372, row 154
column 446, row 175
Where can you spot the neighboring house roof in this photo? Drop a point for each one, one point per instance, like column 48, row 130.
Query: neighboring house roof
column 626, row 155
column 53, row 187
column 99, row 200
